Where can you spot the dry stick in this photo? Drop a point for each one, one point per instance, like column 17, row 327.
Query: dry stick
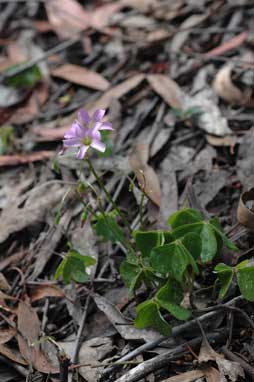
column 176, row 331
column 80, row 330
column 64, row 362
column 161, row 360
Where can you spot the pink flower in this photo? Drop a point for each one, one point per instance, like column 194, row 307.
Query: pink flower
column 85, row 132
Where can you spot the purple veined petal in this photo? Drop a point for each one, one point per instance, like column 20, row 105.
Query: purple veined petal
column 82, row 152
column 94, row 134
column 98, row 145
column 96, row 126
column 71, row 133
column 83, row 116
column 106, row 126
column 72, row 142
column 98, row 115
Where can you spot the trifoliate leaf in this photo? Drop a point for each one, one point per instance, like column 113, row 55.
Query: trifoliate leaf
column 183, row 217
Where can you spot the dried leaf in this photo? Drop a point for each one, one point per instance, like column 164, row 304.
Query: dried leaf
column 6, row 335
column 13, row 160
column 69, row 17
column 91, row 353
column 224, row 87
column 245, row 163
column 29, row 331
column 227, row 140
column 145, row 174
column 26, row 113
column 12, row 354
column 116, row 92
column 226, row 368
column 37, row 292
column 167, row 89
column 245, row 213
column 210, row 118
column 81, row 76
column 212, row 374
column 189, row 376
column 124, row 327
column 141, row 5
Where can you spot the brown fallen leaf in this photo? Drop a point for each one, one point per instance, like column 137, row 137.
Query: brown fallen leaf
column 26, row 113
column 225, row 88
column 245, row 213
column 147, row 177
column 226, row 368
column 81, row 76
column 103, row 101
column 167, row 89
column 212, row 374
column 227, row 140
column 12, row 354
column 37, row 292
column 189, row 376
column 68, row 17
column 28, row 337
column 141, row 5
column 123, row 326
column 6, row 335
column 233, row 43
column 13, row 160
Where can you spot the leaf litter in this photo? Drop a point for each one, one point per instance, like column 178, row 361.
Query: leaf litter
column 180, row 94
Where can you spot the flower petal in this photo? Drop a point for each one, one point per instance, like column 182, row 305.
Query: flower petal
column 106, row 126
column 83, row 116
column 94, row 134
column 71, row 133
column 98, row 115
column 82, row 152
column 72, row 142
column 98, row 145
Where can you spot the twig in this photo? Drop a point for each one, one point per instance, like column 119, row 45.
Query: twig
column 159, row 361
column 58, row 48
column 176, row 331
column 80, row 331
column 64, row 362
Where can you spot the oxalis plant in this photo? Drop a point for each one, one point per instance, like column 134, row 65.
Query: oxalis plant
column 164, row 262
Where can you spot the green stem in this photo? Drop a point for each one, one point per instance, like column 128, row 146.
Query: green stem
column 110, row 199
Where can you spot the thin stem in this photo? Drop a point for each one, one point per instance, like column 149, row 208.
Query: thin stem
column 110, row 199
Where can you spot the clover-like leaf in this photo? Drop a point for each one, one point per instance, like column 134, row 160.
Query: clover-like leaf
column 148, row 315
column 209, row 243
column 183, row 230
column 131, row 275
column 245, row 280
column 225, row 275
column 215, row 224
column 193, row 244
column 107, row 227
column 172, row 259
column 146, row 241
column 183, row 217
column 169, row 297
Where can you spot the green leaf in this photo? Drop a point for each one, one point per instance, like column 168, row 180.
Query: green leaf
column 59, row 270
column 179, row 232
column 131, row 275
column 193, row 244
column 215, row 223
column 27, row 78
column 183, row 217
column 171, row 259
column 148, row 315
column 6, row 137
column 169, row 297
column 245, row 280
column 107, row 227
column 146, row 241
column 87, row 260
column 209, row 243
column 225, row 275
